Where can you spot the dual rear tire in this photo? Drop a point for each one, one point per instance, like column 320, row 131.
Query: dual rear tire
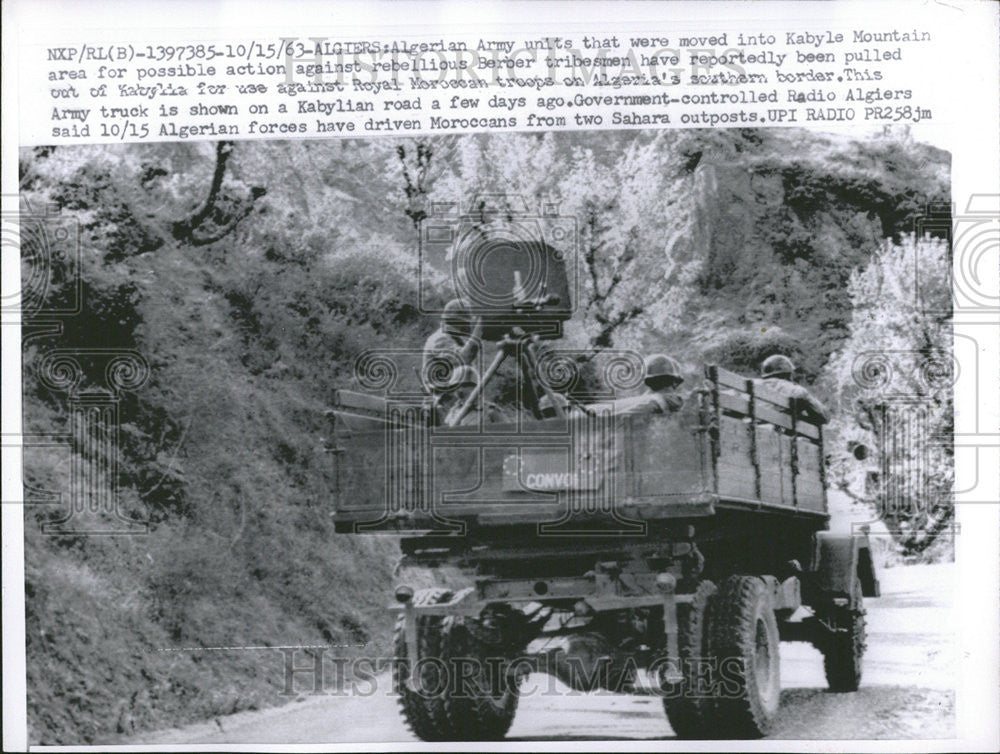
column 461, row 689
column 688, row 704
column 482, row 700
column 745, row 643
column 420, row 702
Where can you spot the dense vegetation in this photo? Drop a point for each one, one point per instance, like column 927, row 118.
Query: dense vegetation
column 250, row 275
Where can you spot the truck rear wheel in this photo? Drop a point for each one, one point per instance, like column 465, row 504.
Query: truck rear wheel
column 423, row 707
column 842, row 651
column 688, row 703
column 744, row 641
column 482, row 695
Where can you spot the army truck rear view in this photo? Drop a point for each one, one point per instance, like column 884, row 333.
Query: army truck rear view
column 668, row 552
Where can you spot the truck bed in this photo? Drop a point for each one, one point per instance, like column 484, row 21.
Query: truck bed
column 734, row 445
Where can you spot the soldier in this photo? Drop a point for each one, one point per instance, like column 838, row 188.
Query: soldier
column 454, row 344
column 659, row 396
column 777, row 372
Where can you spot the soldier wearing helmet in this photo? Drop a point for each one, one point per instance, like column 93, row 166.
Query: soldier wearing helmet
column 453, row 345
column 659, row 396
column 777, row 373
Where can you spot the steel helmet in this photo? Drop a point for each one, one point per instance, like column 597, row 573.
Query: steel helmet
column 662, row 370
column 456, row 316
column 777, row 366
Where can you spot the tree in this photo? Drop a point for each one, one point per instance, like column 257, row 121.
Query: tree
column 893, row 381
column 624, row 200
column 619, row 189
column 219, row 222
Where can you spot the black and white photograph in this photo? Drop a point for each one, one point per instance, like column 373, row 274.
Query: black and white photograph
column 641, row 431
column 550, row 376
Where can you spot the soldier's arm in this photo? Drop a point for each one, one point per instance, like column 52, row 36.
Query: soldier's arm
column 812, row 407
column 673, row 401
column 649, row 403
column 471, row 347
column 819, row 410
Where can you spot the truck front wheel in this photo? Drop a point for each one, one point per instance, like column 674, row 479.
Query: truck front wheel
column 842, row 651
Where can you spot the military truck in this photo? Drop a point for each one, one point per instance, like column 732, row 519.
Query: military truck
column 664, row 553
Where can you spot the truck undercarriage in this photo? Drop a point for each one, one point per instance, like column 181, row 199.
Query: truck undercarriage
column 685, row 616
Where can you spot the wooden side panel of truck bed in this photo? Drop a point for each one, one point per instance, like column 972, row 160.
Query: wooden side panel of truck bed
column 733, row 443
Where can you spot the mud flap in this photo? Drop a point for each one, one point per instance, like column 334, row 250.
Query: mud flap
column 410, row 630
column 837, row 559
column 670, row 629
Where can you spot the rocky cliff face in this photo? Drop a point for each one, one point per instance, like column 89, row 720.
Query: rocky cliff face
column 774, row 222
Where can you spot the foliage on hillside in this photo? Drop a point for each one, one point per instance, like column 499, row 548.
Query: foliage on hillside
column 893, row 381
column 250, row 276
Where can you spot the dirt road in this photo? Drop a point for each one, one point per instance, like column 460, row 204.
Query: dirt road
column 907, row 691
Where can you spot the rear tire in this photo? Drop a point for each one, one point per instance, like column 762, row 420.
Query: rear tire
column 482, row 696
column 843, row 651
column 423, row 709
column 744, row 641
column 688, row 705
